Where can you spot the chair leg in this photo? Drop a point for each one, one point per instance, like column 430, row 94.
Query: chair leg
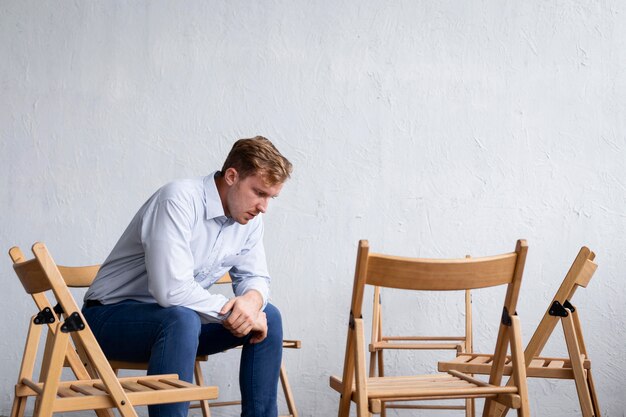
column 519, row 366
column 381, row 364
column 362, row 406
column 523, row 412
column 43, row 407
column 372, row 364
column 469, row 407
column 291, row 404
column 592, row 392
column 204, row 404
column 19, row 406
column 577, row 366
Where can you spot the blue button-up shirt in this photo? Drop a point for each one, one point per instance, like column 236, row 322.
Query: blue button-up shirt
column 178, row 244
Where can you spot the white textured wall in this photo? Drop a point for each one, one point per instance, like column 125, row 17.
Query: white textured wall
column 430, row 128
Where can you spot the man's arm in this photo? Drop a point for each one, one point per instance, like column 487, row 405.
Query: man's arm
column 251, row 287
column 165, row 235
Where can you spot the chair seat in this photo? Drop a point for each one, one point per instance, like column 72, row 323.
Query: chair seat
column 540, row 367
column 158, row 389
column 435, row 386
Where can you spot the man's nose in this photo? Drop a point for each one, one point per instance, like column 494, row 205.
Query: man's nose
column 262, row 206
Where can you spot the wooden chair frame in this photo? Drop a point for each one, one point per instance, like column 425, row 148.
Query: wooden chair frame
column 576, row 365
column 81, row 277
column 460, row 344
column 96, row 386
column 434, row 275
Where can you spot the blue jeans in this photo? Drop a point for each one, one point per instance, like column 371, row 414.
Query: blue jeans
column 169, row 339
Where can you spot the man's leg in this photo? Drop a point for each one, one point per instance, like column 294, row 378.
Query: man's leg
column 165, row 338
column 260, row 363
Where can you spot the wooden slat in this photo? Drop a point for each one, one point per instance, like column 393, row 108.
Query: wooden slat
column 423, row 386
column 556, row 365
column 481, row 359
column 536, row 370
column 178, row 383
column 292, row 344
column 157, row 385
column 135, row 398
column 537, row 363
column 414, row 346
column 441, row 275
column 423, row 338
column 87, row 389
column 78, row 276
column 32, row 276
column 133, row 386
column 68, row 392
column 586, row 273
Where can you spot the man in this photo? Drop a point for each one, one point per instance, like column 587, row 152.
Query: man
column 150, row 300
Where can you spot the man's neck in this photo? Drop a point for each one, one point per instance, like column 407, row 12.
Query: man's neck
column 222, row 190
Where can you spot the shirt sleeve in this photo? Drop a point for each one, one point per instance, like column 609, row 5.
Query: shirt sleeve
column 250, row 272
column 165, row 236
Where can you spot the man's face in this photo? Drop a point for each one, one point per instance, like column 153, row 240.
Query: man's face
column 248, row 197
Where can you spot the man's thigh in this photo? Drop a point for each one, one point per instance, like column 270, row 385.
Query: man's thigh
column 215, row 338
column 128, row 330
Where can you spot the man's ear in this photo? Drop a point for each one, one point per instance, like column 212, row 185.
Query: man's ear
column 231, row 176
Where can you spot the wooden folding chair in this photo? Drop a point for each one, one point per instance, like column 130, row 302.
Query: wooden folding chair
column 576, row 365
column 205, row 405
column 82, row 277
column 96, row 386
column 434, row 275
column 380, row 342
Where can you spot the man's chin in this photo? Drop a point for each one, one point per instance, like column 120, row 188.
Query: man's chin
column 242, row 220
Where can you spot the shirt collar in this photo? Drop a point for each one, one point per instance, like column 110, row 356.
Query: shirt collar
column 212, row 201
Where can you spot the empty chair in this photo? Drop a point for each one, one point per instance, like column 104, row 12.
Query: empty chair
column 435, row 275
column 381, row 341
column 576, row 365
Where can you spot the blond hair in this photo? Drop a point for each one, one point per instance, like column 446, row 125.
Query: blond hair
column 258, row 155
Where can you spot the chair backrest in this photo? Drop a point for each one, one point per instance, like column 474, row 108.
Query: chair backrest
column 41, row 274
column 437, row 274
column 579, row 275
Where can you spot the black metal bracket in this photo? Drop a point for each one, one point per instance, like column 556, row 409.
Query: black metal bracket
column 74, row 323
column 58, row 309
column 351, row 321
column 557, row 309
column 569, row 306
column 506, row 318
column 45, row 316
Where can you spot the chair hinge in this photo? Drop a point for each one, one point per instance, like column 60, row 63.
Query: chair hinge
column 351, row 323
column 557, row 309
column 506, row 318
column 58, row 309
column 74, row 323
column 569, row 306
column 45, row 316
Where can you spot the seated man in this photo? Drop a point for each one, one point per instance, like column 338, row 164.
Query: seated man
column 150, row 301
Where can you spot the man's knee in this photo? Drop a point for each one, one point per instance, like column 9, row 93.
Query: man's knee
column 274, row 323
column 181, row 322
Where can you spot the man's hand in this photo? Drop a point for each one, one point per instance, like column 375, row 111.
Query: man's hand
column 259, row 333
column 246, row 316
